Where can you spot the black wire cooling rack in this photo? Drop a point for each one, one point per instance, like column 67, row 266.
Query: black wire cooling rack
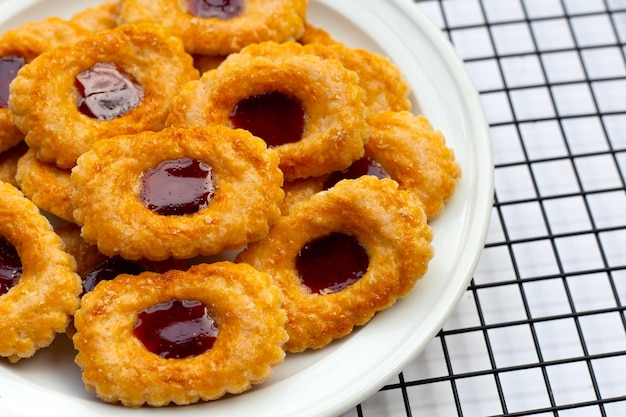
column 541, row 329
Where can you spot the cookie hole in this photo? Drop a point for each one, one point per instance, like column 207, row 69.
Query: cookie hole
column 177, row 329
column 9, row 66
column 221, row 9
column 331, row 263
column 10, row 266
column 109, row 269
column 359, row 168
column 178, row 187
column 105, row 92
column 275, row 117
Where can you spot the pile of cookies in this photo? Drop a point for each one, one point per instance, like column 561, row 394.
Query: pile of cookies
column 142, row 141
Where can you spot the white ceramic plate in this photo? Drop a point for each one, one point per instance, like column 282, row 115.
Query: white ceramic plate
column 334, row 379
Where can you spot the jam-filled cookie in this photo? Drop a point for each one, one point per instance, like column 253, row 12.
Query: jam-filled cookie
column 113, row 82
column 310, row 110
column 342, row 256
column 413, row 153
column 46, row 185
column 221, row 27
column 403, row 147
column 180, row 337
column 301, row 190
column 20, row 46
column 39, row 288
column 176, row 193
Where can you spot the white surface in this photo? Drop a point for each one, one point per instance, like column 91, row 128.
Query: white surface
column 330, row 381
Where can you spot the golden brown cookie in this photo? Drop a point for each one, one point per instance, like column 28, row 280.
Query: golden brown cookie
column 40, row 287
column 142, row 66
column 90, row 261
column 130, row 200
column 215, row 28
column 384, row 85
column 34, row 38
column 403, row 147
column 10, row 135
column 314, row 34
column 93, row 266
column 384, row 248
column 311, row 111
column 20, row 46
column 98, row 18
column 8, row 162
column 238, row 345
column 414, row 154
column 46, row 185
column 205, row 63
column 86, row 255
column 300, row 190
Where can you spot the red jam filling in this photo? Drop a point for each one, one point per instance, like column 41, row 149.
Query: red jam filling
column 221, row 9
column 363, row 166
column 178, row 187
column 9, row 65
column 332, row 263
column 177, row 329
column 106, row 92
column 10, row 266
column 108, row 270
column 274, row 117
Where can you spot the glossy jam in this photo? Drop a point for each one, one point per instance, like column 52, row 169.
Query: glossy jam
column 178, row 187
column 108, row 270
column 221, row 9
column 177, row 329
column 9, row 65
column 274, row 117
column 10, row 266
column 363, row 166
column 106, row 92
column 332, row 263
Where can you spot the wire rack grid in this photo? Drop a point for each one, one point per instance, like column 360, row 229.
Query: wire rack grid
column 541, row 329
